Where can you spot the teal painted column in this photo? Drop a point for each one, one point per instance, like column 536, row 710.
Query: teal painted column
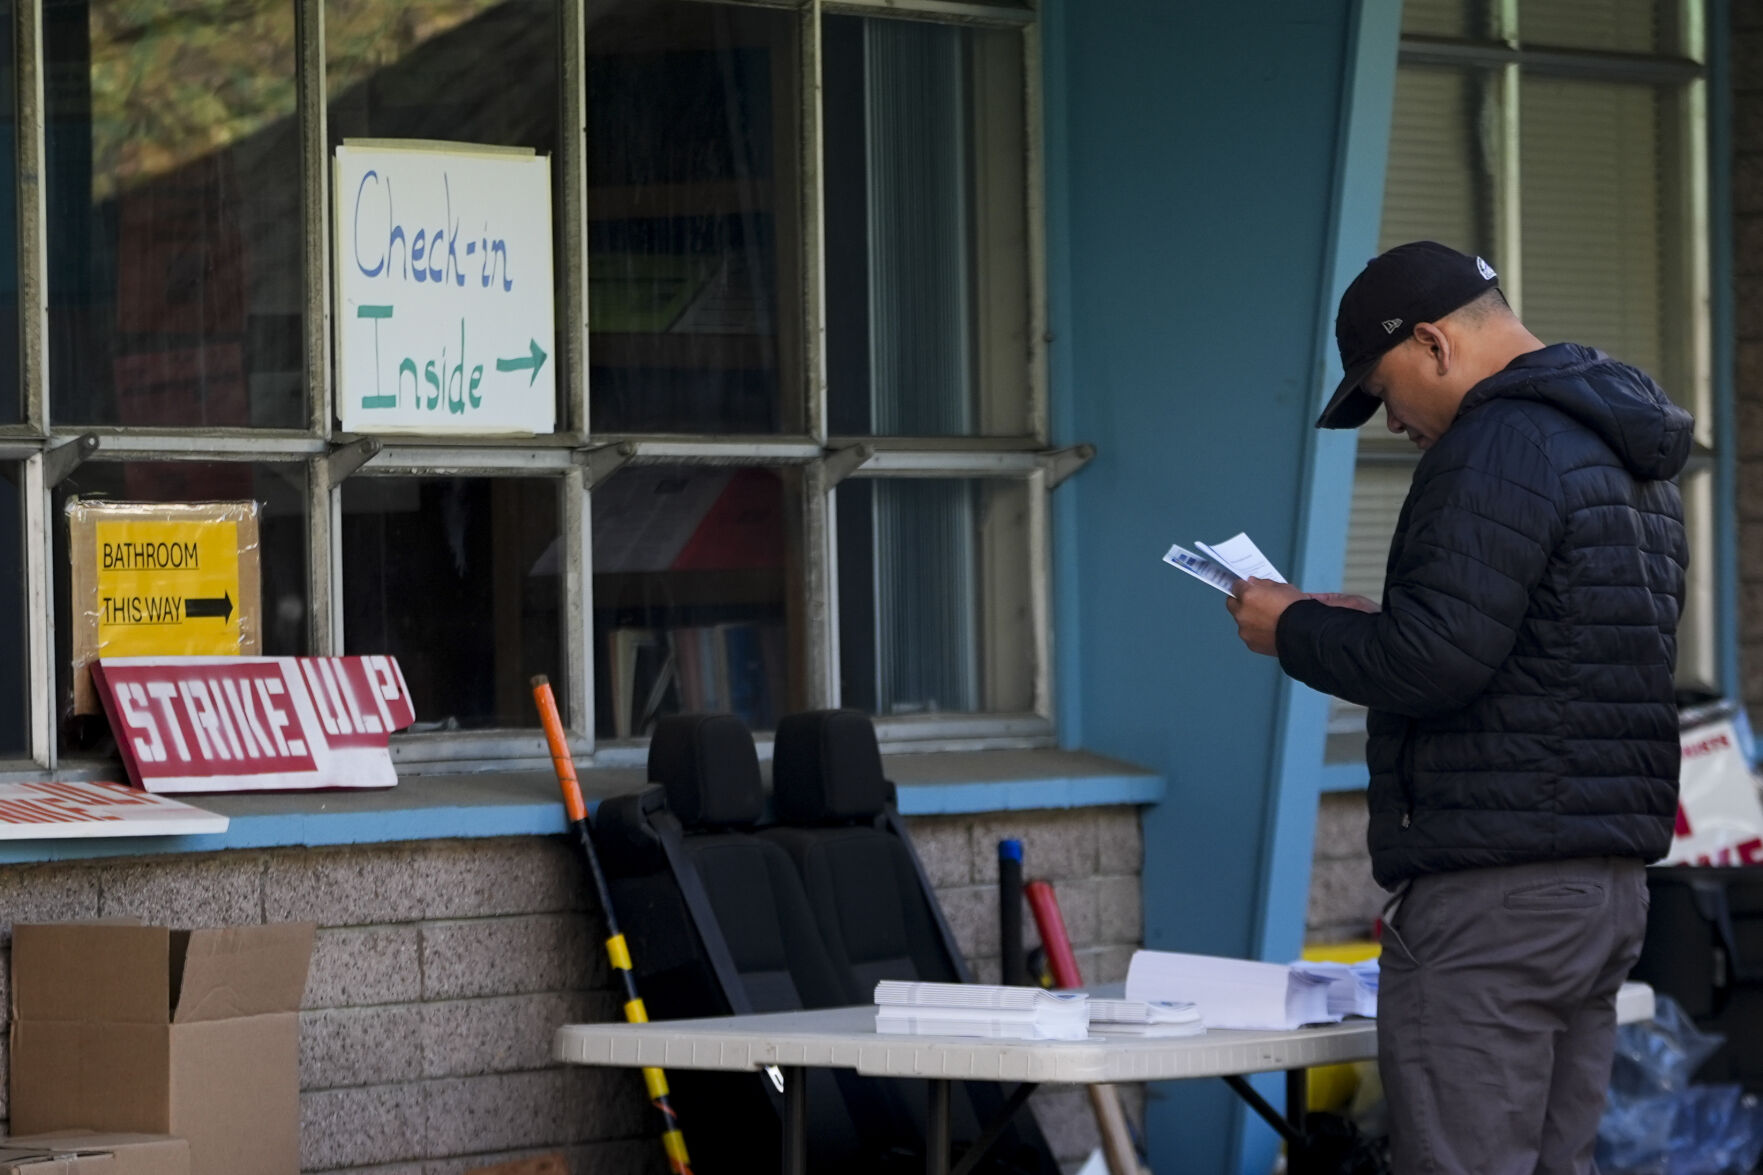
column 1209, row 180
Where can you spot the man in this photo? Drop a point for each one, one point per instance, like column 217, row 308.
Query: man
column 1523, row 745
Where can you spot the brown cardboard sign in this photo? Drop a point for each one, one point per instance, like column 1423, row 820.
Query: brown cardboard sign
column 161, row 579
column 145, row 1029
column 78, row 1152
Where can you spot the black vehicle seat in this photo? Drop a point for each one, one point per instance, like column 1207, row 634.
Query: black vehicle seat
column 835, row 814
column 689, row 843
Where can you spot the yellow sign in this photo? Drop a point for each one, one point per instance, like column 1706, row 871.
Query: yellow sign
column 161, row 579
column 167, row 588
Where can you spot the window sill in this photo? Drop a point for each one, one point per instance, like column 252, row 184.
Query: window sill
column 525, row 803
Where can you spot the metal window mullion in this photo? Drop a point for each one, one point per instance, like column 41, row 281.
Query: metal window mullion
column 313, row 117
column 124, row 444
column 1694, row 233
column 1568, row 63
column 820, row 669
column 324, row 616
column 1040, row 570
column 935, row 11
column 1040, row 402
column 33, row 212
column 39, row 557
column 820, row 682
column 470, row 461
column 577, row 520
column 1509, row 198
column 813, row 228
column 324, row 573
column 572, row 171
column 911, row 463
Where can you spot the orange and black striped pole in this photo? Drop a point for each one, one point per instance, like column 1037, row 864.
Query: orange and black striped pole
column 616, row 949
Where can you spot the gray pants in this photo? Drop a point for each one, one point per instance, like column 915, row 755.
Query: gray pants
column 1496, row 1014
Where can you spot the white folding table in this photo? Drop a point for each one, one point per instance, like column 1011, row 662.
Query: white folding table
column 845, row 1038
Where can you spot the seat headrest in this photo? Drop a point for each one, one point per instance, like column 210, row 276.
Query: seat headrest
column 707, row 764
column 825, row 766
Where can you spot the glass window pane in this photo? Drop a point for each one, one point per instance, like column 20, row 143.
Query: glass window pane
column 280, row 491
column 1447, row 18
column 1627, row 26
column 926, row 235
column 1593, row 228
column 935, row 612
column 14, row 652
column 1439, row 184
column 694, row 218
column 694, row 609
column 469, row 71
column 461, row 580
column 1697, row 662
column 174, row 213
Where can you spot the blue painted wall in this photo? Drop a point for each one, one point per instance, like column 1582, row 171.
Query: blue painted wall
column 1206, row 190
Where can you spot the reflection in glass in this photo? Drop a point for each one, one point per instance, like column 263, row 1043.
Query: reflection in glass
column 691, row 611
column 693, row 218
column 925, row 229
column 280, row 491
column 934, row 596
column 14, row 652
column 461, row 580
column 471, row 71
column 174, row 213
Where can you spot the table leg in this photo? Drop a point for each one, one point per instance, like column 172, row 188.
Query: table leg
column 1297, row 1109
column 795, row 1148
column 936, row 1140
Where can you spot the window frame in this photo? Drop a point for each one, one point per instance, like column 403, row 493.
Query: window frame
column 575, row 453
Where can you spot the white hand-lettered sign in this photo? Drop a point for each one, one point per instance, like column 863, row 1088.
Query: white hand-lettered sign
column 444, row 295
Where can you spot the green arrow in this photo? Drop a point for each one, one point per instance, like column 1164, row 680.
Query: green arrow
column 535, row 361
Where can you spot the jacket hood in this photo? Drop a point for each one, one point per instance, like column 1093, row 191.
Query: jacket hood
column 1621, row 404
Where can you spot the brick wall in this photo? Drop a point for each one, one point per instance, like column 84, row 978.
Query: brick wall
column 1747, row 202
column 441, row 968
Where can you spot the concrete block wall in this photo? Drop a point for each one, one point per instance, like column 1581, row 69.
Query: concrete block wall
column 1344, row 901
column 441, row 968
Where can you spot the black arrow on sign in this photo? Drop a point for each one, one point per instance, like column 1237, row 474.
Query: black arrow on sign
column 195, row 606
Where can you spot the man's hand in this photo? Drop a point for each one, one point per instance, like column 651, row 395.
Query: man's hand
column 1257, row 606
column 1343, row 600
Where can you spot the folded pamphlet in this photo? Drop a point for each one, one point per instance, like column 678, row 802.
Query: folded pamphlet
column 1352, row 987
column 1223, row 564
column 1162, row 1018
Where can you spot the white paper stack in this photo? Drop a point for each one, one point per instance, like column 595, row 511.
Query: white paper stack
column 1164, row 1018
column 1231, row 993
column 1352, row 987
column 979, row 1009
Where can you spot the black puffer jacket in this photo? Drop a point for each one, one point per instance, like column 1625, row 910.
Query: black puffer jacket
column 1520, row 674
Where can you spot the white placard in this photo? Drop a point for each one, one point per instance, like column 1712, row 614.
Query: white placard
column 37, row 811
column 444, row 297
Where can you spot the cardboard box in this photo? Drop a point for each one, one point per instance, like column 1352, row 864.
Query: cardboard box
column 79, row 1152
column 142, row 1029
column 173, row 579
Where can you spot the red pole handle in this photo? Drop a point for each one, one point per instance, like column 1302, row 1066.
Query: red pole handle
column 1054, row 939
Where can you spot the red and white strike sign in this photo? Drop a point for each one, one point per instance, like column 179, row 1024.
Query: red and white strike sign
column 212, row 724
column 35, row 811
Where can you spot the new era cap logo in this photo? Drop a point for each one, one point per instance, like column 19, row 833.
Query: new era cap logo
column 1486, row 270
column 1390, row 325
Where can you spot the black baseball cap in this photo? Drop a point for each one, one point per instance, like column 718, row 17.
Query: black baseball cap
column 1418, row 282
